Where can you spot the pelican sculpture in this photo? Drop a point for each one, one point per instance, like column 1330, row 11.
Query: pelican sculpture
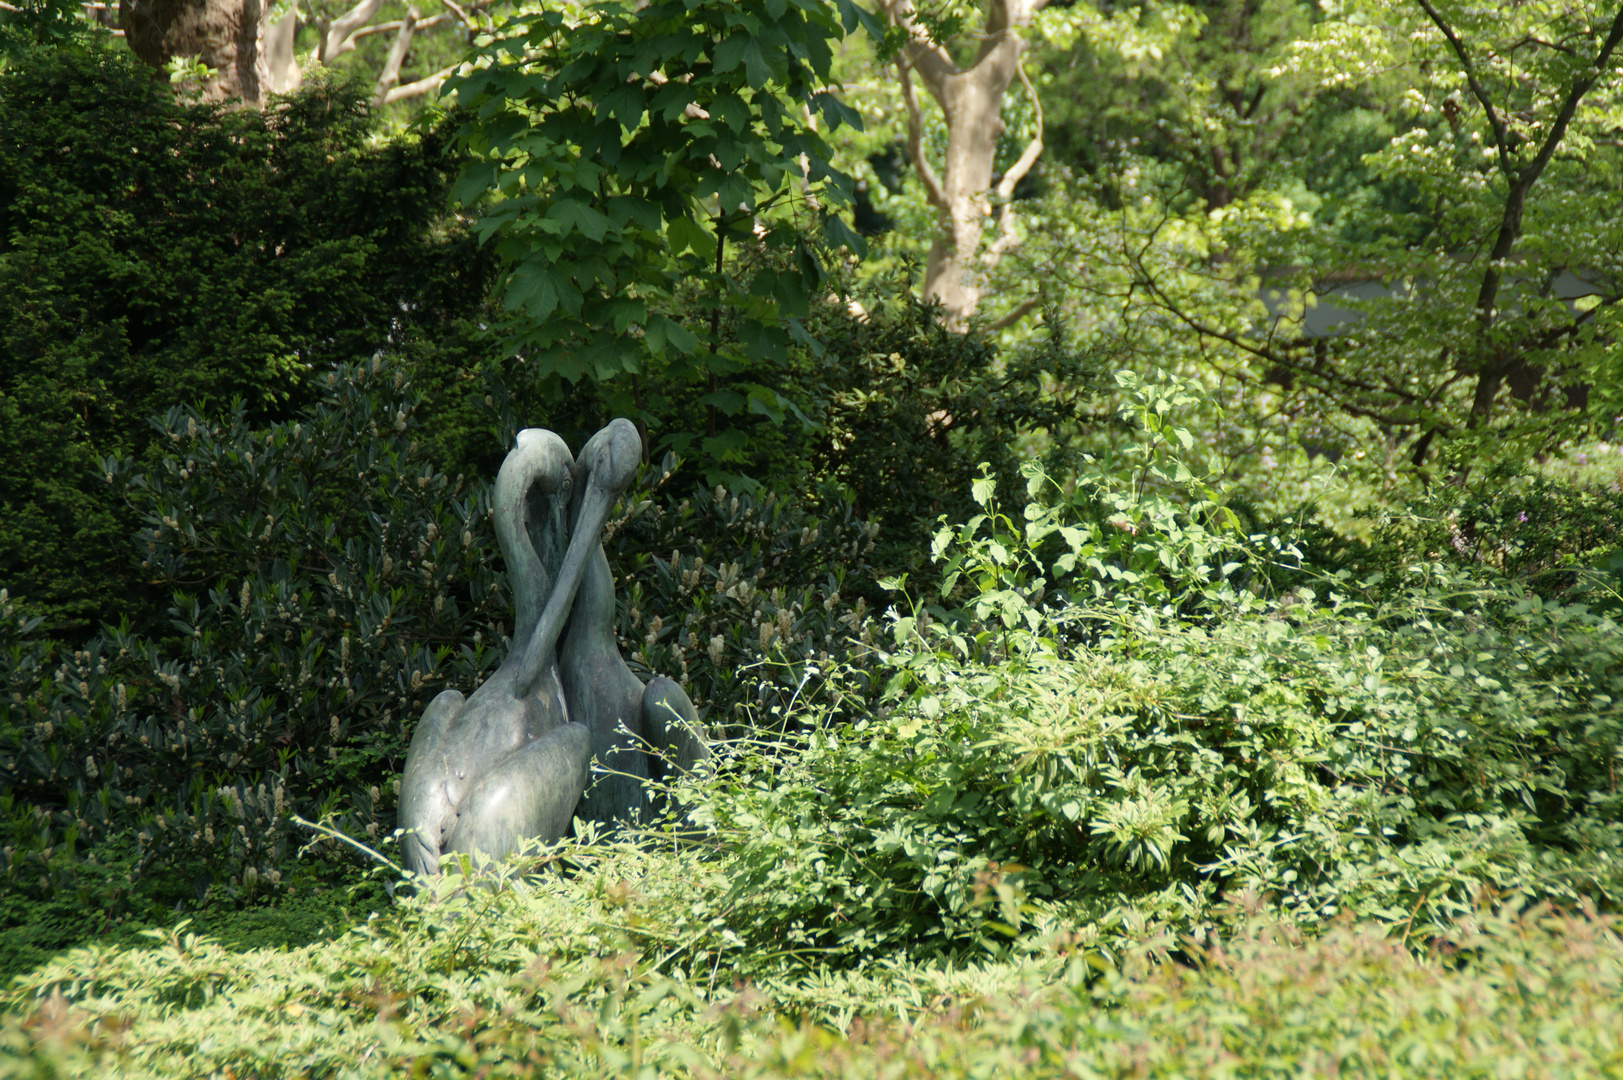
column 636, row 731
column 511, row 760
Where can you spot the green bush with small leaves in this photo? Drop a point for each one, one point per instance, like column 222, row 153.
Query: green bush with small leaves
column 595, row 973
column 1509, row 523
column 1160, row 731
column 158, row 253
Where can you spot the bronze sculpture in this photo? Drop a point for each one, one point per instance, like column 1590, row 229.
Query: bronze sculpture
column 636, row 730
column 512, row 760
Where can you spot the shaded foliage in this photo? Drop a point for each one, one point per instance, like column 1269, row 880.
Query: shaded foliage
column 326, row 581
column 154, row 254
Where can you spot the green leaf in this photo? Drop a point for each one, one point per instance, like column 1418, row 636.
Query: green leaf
column 731, row 110
column 627, row 209
column 838, row 234
column 727, row 446
column 625, row 103
column 579, row 216
column 685, row 233
column 756, row 68
column 729, row 53
column 531, row 287
column 811, row 271
column 836, row 112
column 662, row 331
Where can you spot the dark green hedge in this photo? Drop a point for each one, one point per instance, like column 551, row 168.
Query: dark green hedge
column 155, row 254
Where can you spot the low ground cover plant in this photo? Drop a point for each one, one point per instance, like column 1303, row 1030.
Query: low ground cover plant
column 577, row 974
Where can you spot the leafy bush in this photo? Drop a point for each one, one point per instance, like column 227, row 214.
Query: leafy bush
column 754, row 599
column 907, row 410
column 327, row 584
column 1143, row 814
column 1508, row 523
column 1531, row 1001
column 1144, row 746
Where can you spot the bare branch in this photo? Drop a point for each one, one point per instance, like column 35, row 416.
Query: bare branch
column 915, row 141
column 338, row 37
column 1018, row 170
column 394, row 27
column 461, row 14
column 397, row 56
column 1262, row 352
column 422, row 86
column 931, row 60
column 1003, row 16
column 1501, row 137
column 1015, row 314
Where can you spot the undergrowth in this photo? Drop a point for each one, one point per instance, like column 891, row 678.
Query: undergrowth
column 576, row 974
column 1141, row 793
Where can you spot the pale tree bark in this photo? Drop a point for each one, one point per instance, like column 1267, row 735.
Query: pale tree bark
column 971, row 100
column 252, row 56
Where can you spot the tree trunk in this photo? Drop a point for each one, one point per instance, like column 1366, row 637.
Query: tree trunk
column 971, row 99
column 251, row 56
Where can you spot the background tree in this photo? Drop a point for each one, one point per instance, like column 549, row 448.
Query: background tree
column 242, row 50
column 970, row 95
column 623, row 157
column 1242, row 171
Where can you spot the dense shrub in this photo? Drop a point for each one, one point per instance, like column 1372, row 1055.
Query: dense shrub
column 751, row 599
column 327, row 581
column 326, row 584
column 908, row 410
column 1532, row 1001
column 155, row 254
column 1153, row 734
column 1508, row 523
column 1335, row 763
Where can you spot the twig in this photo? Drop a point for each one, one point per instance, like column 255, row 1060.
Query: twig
column 1408, row 925
column 338, row 39
column 1017, row 171
column 1006, row 237
column 1018, row 312
column 915, row 141
column 333, row 834
column 394, row 27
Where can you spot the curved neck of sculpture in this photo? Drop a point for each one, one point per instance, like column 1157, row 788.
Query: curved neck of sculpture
column 534, row 462
column 608, row 462
column 593, row 617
